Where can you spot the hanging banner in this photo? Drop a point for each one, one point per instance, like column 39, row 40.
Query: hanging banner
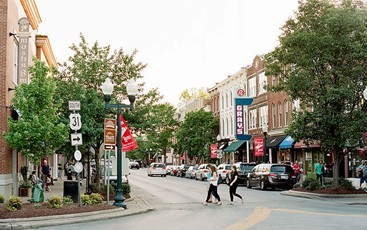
column 127, row 140
column 213, row 151
column 259, row 146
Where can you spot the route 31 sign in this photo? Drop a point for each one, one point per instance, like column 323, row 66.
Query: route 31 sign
column 75, row 121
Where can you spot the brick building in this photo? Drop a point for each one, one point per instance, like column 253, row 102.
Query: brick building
column 19, row 42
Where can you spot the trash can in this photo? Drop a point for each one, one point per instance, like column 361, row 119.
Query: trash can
column 71, row 189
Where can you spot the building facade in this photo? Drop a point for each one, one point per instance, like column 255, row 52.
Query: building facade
column 19, row 42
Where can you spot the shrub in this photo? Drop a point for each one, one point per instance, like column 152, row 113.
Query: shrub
column 86, row 199
column 126, row 188
column 67, row 200
column 307, row 182
column 313, row 185
column 347, row 184
column 113, row 188
column 55, row 202
column 15, row 203
column 96, row 198
column 2, row 199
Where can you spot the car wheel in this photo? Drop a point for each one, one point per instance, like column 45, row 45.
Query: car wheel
column 196, row 177
column 201, row 177
column 262, row 185
column 164, row 175
column 248, row 185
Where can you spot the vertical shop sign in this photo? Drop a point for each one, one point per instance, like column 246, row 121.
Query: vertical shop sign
column 23, row 49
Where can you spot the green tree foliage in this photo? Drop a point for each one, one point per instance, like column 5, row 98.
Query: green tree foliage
column 80, row 79
column 39, row 130
column 194, row 93
column 322, row 61
column 196, row 133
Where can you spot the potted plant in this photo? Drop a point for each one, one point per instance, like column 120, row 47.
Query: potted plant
column 25, row 188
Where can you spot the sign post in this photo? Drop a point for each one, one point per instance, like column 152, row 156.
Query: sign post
column 75, row 123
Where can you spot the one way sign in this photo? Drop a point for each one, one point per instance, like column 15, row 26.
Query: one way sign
column 76, row 139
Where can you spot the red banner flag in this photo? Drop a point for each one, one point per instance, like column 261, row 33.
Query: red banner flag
column 259, row 146
column 213, row 151
column 127, row 140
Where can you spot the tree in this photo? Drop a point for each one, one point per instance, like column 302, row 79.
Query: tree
column 322, row 61
column 194, row 93
column 38, row 131
column 196, row 133
column 80, row 79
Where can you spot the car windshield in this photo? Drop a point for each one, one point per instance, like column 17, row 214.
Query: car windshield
column 281, row 169
column 247, row 167
column 158, row 165
column 227, row 167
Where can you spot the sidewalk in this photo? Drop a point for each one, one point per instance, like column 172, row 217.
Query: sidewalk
column 135, row 205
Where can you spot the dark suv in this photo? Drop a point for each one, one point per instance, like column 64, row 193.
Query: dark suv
column 182, row 170
column 243, row 169
column 271, row 176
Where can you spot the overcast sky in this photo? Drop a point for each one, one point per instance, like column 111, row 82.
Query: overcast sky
column 186, row 43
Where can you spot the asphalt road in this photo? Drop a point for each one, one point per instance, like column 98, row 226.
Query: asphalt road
column 177, row 204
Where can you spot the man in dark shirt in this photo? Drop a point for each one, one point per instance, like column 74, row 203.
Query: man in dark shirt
column 45, row 172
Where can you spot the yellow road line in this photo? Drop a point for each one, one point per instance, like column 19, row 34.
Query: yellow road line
column 318, row 213
column 257, row 216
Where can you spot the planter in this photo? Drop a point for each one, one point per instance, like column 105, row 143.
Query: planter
column 25, row 192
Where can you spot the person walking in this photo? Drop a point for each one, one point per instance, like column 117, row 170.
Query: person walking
column 319, row 171
column 46, row 171
column 362, row 170
column 233, row 184
column 213, row 188
column 296, row 169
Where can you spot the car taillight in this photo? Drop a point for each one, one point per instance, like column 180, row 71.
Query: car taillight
column 205, row 170
column 153, row 167
column 224, row 171
column 164, row 167
column 293, row 175
column 272, row 175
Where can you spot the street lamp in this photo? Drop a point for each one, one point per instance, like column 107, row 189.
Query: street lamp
column 107, row 89
column 265, row 131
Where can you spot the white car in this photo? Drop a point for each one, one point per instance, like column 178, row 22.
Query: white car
column 133, row 164
column 157, row 169
column 223, row 169
column 202, row 172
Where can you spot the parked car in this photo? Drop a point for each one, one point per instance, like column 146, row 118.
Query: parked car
column 133, row 164
column 224, row 169
column 157, row 169
column 202, row 173
column 243, row 170
column 271, row 175
column 182, row 170
column 190, row 173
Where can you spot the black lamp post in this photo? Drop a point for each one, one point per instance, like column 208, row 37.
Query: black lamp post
column 107, row 89
column 265, row 132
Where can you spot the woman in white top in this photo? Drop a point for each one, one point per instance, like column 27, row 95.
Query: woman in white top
column 213, row 186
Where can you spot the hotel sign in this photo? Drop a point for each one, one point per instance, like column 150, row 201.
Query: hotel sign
column 23, row 49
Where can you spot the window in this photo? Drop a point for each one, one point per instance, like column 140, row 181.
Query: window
column 252, row 87
column 279, row 114
column 263, row 81
column 263, row 115
column 286, row 113
column 273, row 115
column 252, row 119
column 295, row 105
column 222, row 102
column 231, row 97
column 226, row 100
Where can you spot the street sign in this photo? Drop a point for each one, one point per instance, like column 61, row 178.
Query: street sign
column 77, row 155
column 75, row 121
column 76, row 139
column 109, row 147
column 78, row 167
column 109, row 134
column 74, row 105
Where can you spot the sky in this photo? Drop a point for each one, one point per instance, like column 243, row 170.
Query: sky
column 185, row 43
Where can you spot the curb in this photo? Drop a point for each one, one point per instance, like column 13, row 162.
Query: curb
column 45, row 221
column 319, row 196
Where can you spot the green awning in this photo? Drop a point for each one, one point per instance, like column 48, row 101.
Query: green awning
column 234, row 146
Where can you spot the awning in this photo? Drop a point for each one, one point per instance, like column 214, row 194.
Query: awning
column 287, row 143
column 273, row 142
column 234, row 146
column 302, row 145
